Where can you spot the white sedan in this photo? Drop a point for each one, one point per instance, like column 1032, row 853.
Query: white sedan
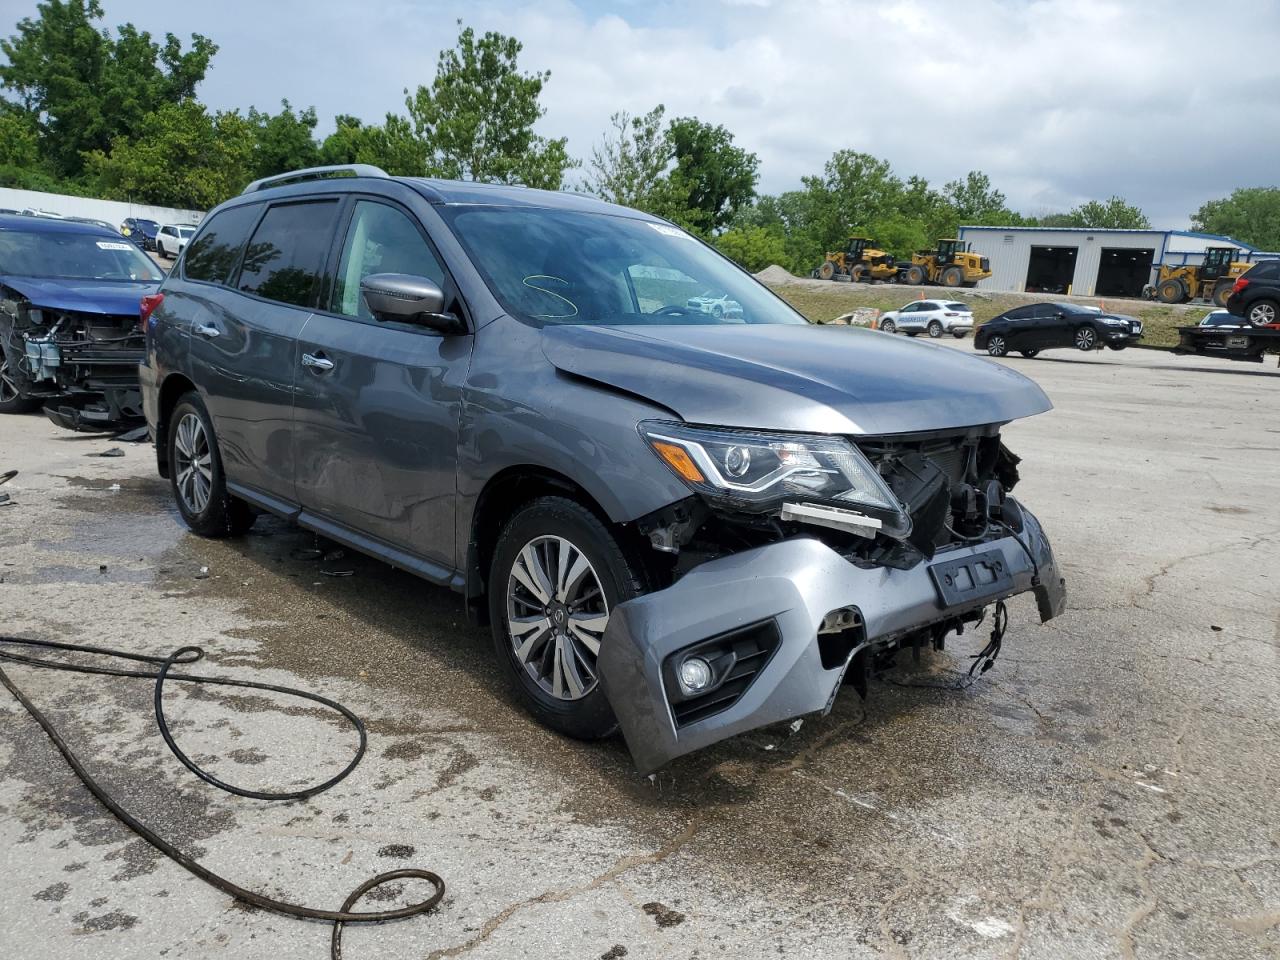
column 934, row 317
column 171, row 238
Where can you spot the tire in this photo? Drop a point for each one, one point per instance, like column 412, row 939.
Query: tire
column 889, row 326
column 952, row 277
column 1171, row 291
column 1263, row 313
column 1116, row 346
column 827, row 270
column 858, row 273
column 913, row 333
column 916, row 275
column 959, row 335
column 1221, row 292
column 11, row 398
column 1085, row 339
column 200, row 487
column 997, row 346
column 556, row 660
column 935, row 329
column 718, row 312
column 1029, row 354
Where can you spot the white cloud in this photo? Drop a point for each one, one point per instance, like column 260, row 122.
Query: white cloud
column 1058, row 100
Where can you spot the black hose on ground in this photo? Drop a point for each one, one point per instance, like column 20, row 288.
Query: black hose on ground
column 188, row 655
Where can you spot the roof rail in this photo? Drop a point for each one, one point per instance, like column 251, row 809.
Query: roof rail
column 317, row 173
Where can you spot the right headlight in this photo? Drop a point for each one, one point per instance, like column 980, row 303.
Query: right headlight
column 757, row 472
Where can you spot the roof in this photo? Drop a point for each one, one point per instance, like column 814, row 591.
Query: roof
column 28, row 224
column 1071, row 230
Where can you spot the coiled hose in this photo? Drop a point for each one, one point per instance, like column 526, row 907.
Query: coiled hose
column 183, row 656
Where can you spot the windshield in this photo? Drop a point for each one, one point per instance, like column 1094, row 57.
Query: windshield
column 564, row 267
column 73, row 256
column 1219, row 318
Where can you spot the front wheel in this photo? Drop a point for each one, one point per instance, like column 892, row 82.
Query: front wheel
column 1029, row 353
column 889, row 326
column 952, row 277
column 959, row 334
column 996, row 346
column 1085, row 339
column 11, row 398
column 557, row 572
column 196, row 477
column 935, row 329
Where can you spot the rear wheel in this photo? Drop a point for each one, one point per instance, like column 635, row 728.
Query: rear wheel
column 888, row 326
column 1086, row 339
column 935, row 329
column 1171, row 291
column 997, row 346
column 1029, row 353
column 827, row 270
column 916, row 274
column 952, row 277
column 557, row 572
column 196, row 477
column 1264, row 313
column 1221, row 292
column 858, row 273
column 959, row 334
column 11, row 398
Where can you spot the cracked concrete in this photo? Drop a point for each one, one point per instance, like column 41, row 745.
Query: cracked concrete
column 1109, row 790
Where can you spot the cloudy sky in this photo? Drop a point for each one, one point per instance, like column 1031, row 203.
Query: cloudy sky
column 1058, row 100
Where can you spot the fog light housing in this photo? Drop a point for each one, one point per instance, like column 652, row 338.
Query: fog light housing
column 695, row 676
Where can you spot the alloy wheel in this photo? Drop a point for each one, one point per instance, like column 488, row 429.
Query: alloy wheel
column 8, row 385
column 1085, row 338
column 1262, row 314
column 193, row 463
column 996, row 346
column 556, row 616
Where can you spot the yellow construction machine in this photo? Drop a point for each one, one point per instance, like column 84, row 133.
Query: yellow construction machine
column 951, row 265
column 1211, row 280
column 861, row 260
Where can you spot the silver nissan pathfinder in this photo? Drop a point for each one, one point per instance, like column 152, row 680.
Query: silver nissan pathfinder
column 679, row 521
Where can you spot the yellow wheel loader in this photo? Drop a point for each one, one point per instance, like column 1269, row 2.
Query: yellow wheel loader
column 860, row 261
column 1211, row 280
column 951, row 265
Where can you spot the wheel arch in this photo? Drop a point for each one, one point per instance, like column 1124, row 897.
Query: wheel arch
column 174, row 386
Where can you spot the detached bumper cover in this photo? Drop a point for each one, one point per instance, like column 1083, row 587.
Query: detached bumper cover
column 795, row 583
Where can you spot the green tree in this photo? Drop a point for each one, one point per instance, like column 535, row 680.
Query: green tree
column 182, row 157
column 1250, row 214
column 631, row 159
column 82, row 88
column 974, row 200
column 753, row 247
column 477, row 116
column 1113, row 214
column 712, row 177
column 393, row 146
column 18, row 144
column 284, row 141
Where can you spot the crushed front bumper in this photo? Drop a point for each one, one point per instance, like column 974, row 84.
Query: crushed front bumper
column 792, row 585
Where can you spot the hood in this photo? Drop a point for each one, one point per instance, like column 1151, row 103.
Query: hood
column 109, row 297
column 811, row 379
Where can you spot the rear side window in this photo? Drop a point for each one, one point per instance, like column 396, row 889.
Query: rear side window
column 287, row 252
column 212, row 255
column 1019, row 314
column 1266, row 270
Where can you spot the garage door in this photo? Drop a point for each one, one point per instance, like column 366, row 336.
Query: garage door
column 1051, row 270
column 1123, row 272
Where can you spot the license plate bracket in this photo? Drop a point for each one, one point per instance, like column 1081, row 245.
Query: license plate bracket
column 972, row 578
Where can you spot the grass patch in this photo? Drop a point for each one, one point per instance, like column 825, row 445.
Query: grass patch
column 822, row 302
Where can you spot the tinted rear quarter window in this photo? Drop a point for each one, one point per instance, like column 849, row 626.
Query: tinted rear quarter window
column 287, row 252
column 1267, row 270
column 961, row 307
column 212, row 255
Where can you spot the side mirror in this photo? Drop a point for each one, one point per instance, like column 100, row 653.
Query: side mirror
column 409, row 299
column 1060, row 315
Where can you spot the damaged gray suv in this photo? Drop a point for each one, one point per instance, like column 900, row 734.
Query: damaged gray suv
column 680, row 522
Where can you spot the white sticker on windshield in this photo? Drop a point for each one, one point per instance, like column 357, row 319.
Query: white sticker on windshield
column 667, row 231
column 112, row 245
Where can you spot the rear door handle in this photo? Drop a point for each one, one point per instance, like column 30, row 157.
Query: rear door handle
column 208, row 330
column 317, row 361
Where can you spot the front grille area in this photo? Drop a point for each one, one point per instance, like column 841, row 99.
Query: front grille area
column 746, row 651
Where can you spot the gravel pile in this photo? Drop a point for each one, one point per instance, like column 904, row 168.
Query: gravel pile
column 775, row 274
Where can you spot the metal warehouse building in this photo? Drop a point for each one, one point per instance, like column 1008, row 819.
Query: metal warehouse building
column 1103, row 263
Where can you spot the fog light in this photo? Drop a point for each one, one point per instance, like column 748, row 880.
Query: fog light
column 695, row 675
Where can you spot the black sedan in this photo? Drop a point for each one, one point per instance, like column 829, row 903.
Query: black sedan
column 1039, row 326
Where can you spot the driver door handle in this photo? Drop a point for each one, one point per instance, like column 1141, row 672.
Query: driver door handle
column 317, row 361
column 208, row 330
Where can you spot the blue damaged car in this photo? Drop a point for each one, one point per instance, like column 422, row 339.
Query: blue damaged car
column 70, row 335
